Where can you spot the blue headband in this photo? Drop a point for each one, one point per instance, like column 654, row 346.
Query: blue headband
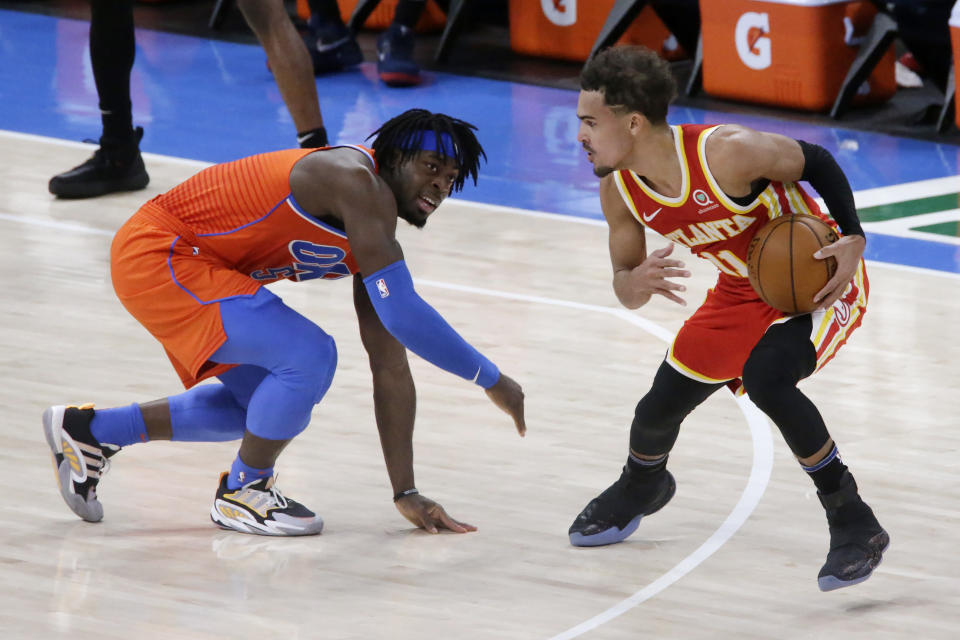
column 426, row 140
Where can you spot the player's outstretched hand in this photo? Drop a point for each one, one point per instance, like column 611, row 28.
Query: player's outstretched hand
column 847, row 251
column 508, row 395
column 651, row 274
column 429, row 515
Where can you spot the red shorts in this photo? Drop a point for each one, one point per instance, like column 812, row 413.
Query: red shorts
column 715, row 342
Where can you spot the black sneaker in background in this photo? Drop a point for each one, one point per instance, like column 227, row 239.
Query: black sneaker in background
column 116, row 166
column 332, row 47
column 395, row 64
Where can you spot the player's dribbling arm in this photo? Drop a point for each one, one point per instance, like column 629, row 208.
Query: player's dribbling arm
column 737, row 156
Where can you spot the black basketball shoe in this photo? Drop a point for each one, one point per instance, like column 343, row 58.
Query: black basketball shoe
column 857, row 541
column 615, row 514
column 395, row 64
column 332, row 47
column 79, row 461
column 115, row 166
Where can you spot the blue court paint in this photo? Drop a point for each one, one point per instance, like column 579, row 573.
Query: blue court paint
column 216, row 101
column 913, row 252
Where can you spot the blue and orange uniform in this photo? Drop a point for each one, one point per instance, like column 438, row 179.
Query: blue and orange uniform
column 223, row 233
column 715, row 342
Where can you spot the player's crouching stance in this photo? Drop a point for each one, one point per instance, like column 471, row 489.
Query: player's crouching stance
column 190, row 265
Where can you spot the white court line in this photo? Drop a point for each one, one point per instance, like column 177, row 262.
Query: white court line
column 56, row 224
column 906, row 226
column 749, row 499
column 907, row 191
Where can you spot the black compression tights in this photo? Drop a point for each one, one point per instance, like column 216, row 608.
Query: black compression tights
column 783, row 357
column 780, row 359
column 112, row 49
column 658, row 415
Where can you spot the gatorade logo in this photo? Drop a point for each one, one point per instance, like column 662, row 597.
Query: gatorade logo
column 753, row 40
column 562, row 13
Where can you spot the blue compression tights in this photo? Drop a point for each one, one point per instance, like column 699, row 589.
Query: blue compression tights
column 285, row 366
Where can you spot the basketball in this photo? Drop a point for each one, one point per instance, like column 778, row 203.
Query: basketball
column 781, row 265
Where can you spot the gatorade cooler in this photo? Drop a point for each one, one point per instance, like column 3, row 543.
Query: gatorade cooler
column 790, row 53
column 432, row 18
column 567, row 29
column 955, row 38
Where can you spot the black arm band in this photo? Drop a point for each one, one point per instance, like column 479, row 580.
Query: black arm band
column 825, row 175
column 406, row 492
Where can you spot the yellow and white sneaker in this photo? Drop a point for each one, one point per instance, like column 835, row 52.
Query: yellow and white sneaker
column 79, row 461
column 258, row 507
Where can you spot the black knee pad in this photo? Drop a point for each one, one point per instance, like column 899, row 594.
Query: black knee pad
column 784, row 356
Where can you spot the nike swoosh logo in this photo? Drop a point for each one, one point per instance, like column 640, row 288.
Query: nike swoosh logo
column 649, row 218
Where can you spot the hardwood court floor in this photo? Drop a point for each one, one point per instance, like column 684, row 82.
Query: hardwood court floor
column 734, row 555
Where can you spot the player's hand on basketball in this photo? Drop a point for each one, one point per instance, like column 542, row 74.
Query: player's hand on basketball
column 508, row 395
column 429, row 515
column 653, row 272
column 847, row 251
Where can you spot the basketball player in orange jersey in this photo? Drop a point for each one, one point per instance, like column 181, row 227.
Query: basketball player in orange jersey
column 190, row 265
column 711, row 188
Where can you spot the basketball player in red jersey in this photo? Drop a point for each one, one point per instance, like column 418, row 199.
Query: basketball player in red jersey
column 190, row 265
column 711, row 188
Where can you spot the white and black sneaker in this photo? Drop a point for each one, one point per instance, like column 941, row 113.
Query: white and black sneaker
column 258, row 507
column 79, row 461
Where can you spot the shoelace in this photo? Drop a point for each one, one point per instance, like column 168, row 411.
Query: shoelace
column 104, row 460
column 277, row 498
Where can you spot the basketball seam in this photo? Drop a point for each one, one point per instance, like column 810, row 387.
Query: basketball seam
column 793, row 285
column 759, row 257
column 760, row 249
column 816, row 236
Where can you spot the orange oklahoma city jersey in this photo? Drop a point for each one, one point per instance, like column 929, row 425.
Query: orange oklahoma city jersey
column 222, row 233
column 716, row 340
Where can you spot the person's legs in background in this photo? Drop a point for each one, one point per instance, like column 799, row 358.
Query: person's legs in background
column 332, row 47
column 291, row 65
column 395, row 64
column 117, row 164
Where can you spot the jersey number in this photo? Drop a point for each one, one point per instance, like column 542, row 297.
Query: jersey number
column 728, row 262
column 311, row 261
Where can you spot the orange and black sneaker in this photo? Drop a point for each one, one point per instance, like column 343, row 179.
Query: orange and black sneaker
column 79, row 461
column 258, row 507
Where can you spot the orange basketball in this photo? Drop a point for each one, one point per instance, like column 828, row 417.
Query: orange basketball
column 781, row 265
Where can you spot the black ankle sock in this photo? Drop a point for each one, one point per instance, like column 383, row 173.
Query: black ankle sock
column 313, row 139
column 641, row 467
column 828, row 473
column 118, row 125
column 408, row 12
